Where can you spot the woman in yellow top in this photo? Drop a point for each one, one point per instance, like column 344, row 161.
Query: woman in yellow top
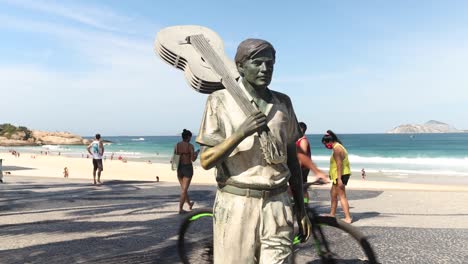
column 340, row 172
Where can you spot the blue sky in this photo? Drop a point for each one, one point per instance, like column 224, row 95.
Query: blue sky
column 349, row 66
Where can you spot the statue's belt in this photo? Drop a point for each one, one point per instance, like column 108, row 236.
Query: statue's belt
column 252, row 192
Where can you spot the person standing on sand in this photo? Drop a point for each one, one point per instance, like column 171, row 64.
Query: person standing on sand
column 303, row 147
column 65, row 172
column 96, row 149
column 363, row 174
column 340, row 171
column 187, row 154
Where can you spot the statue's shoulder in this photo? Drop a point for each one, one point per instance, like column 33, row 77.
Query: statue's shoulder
column 219, row 93
column 218, row 96
column 281, row 97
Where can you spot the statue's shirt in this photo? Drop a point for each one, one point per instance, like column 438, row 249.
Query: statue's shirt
column 246, row 167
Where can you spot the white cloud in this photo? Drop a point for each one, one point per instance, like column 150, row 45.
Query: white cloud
column 99, row 18
column 123, row 88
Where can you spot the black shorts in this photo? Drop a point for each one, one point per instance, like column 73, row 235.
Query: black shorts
column 305, row 173
column 345, row 178
column 97, row 164
column 185, row 170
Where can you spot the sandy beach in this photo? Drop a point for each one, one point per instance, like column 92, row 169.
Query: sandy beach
column 45, row 218
column 81, row 168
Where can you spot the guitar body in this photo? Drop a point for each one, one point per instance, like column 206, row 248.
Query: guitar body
column 173, row 47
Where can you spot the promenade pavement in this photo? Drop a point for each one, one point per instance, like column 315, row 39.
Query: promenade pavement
column 50, row 220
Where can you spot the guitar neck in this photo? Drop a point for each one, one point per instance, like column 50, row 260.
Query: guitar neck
column 203, row 47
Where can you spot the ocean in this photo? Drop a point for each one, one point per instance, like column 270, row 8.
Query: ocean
column 400, row 154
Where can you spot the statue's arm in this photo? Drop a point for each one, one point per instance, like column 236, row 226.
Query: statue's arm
column 212, row 155
column 295, row 183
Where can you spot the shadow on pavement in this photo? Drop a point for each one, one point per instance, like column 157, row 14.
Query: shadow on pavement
column 118, row 222
column 15, row 168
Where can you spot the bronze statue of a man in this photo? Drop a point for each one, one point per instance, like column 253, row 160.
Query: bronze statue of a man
column 253, row 220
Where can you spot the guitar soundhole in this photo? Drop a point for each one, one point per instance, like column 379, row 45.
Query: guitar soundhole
column 204, row 63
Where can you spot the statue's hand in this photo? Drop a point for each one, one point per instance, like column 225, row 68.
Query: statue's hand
column 256, row 122
column 305, row 227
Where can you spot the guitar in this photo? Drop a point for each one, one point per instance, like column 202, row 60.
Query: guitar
column 199, row 52
column 172, row 46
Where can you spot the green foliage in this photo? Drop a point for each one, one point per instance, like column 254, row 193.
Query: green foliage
column 27, row 132
column 7, row 130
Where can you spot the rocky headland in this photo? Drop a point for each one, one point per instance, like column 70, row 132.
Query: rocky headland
column 431, row 126
column 22, row 136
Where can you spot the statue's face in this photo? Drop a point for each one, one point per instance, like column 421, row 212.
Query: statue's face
column 258, row 70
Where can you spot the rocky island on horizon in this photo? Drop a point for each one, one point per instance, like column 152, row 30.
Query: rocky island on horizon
column 22, row 136
column 431, row 126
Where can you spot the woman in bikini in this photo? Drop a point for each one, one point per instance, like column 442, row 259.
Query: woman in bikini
column 185, row 169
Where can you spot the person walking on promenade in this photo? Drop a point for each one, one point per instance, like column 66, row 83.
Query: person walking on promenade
column 303, row 148
column 96, row 149
column 253, row 219
column 188, row 155
column 340, row 171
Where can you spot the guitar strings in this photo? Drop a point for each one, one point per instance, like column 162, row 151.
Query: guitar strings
column 212, row 57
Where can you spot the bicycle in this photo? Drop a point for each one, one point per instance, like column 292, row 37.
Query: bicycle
column 332, row 242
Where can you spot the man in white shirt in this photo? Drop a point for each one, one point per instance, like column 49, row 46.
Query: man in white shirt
column 96, row 149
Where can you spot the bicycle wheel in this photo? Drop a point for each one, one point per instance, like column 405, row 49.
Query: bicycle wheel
column 195, row 242
column 345, row 244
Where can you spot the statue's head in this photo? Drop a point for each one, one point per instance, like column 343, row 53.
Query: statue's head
column 254, row 60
